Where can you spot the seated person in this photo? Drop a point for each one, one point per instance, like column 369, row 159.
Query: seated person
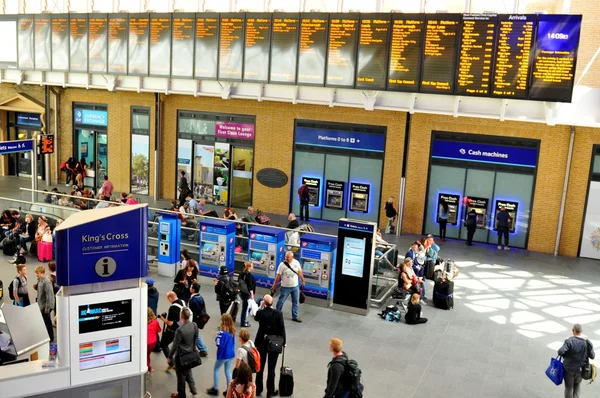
column 241, row 234
column 229, row 214
column 413, row 314
column 407, row 280
column 203, row 211
column 251, row 216
column 293, row 223
column 193, row 203
column 431, row 249
column 187, row 214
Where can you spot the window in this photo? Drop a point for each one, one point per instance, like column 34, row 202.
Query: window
column 531, row 6
column 159, row 5
column 140, row 150
column 250, row 5
column 321, row 5
column 187, row 5
column 286, row 5
column 401, row 5
column 498, row 6
column 130, row 5
column 360, row 5
column 78, row 6
column 215, row 5
column 445, row 5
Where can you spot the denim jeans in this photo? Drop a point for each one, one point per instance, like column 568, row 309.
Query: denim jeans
column 200, row 344
column 285, row 292
column 244, row 310
column 228, row 369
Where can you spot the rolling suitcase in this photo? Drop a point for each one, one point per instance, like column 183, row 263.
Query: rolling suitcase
column 44, row 251
column 443, row 294
column 234, row 308
column 286, row 379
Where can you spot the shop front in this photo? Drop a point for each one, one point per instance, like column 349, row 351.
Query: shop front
column 90, row 127
column 589, row 244
column 484, row 174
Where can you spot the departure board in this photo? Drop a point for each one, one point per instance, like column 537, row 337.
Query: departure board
column 257, row 44
column 284, row 48
column 78, row 43
column 25, row 42
column 555, row 57
column 182, row 61
column 477, row 43
column 139, row 27
column 43, row 42
column 405, row 52
column 60, row 42
column 207, row 46
column 117, row 43
column 372, row 54
column 511, row 66
column 439, row 53
column 98, row 43
column 341, row 52
column 231, row 46
column 160, row 45
column 313, row 48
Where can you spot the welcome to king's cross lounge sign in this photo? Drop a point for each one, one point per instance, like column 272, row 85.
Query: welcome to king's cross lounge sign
column 102, row 245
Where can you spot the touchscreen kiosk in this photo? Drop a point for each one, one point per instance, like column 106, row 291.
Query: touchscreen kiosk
column 359, row 197
column 265, row 251
column 217, row 245
column 314, row 187
column 169, row 244
column 480, row 205
column 453, row 202
column 511, row 208
column 317, row 257
column 334, row 196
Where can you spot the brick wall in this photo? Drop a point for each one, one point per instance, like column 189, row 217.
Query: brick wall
column 588, row 44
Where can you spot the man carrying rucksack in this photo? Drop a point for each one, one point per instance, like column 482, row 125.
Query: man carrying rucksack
column 226, row 290
column 304, row 198
column 198, row 308
column 343, row 375
column 17, row 289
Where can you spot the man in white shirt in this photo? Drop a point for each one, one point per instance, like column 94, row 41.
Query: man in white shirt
column 288, row 273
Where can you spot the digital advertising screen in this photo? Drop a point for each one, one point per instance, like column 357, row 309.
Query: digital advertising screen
column 104, row 316
column 139, row 37
column 406, row 42
column 207, row 46
column 8, row 32
column 231, row 46
column 182, row 65
column 341, row 51
column 117, row 43
column 100, row 353
column 60, row 42
column 98, row 43
column 353, row 257
column 78, row 43
column 257, row 44
column 313, row 48
column 43, row 41
column 160, row 45
column 25, row 40
column 284, row 48
column 372, row 53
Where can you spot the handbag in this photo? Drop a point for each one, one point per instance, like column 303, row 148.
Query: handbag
column 274, row 343
column 556, row 370
column 192, row 359
column 588, row 371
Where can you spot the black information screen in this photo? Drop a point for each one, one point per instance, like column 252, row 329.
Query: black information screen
column 98, row 43
column 207, row 46
column 477, row 43
column 78, row 43
column 257, row 45
column 439, row 53
column 104, row 316
column 373, row 51
column 139, row 27
column 117, row 43
column 43, row 41
column 341, row 53
column 405, row 52
column 25, row 41
column 60, row 42
column 182, row 64
column 284, row 48
column 231, row 46
column 313, row 48
column 160, row 45
column 511, row 66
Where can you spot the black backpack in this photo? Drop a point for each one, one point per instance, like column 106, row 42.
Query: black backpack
column 352, row 376
column 9, row 247
column 229, row 290
column 11, row 287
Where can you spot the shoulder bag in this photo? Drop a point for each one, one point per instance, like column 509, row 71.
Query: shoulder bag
column 302, row 298
column 589, row 369
column 273, row 343
column 191, row 359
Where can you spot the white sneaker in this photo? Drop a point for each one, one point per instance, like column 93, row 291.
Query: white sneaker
column 506, row 248
column 499, row 247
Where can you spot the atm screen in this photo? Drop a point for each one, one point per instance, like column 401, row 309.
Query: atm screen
column 308, row 265
column 256, row 256
column 207, row 247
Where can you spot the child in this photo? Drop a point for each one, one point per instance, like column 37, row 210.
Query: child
column 390, row 213
column 225, row 341
column 241, row 353
column 242, row 386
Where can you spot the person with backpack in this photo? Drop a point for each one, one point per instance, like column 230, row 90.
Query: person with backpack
column 225, row 341
column 575, row 352
column 242, row 386
column 225, row 288
column 471, row 226
column 247, row 286
column 17, row 289
column 247, row 352
column 198, row 308
column 343, row 374
column 304, row 197
column 171, row 323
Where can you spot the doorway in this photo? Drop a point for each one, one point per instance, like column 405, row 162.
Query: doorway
column 20, row 164
column 92, row 147
column 241, row 177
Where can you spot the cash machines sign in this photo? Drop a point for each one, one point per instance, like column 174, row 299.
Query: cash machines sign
column 317, row 257
column 217, row 245
column 265, row 251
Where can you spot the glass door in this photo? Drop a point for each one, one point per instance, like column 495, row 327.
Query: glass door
column 203, row 171
column 102, row 158
column 241, row 176
column 184, row 162
column 24, row 159
column 221, row 177
column 86, row 150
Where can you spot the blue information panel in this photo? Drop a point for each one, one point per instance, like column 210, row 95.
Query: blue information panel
column 484, row 153
column 15, row 146
column 340, row 139
column 91, row 117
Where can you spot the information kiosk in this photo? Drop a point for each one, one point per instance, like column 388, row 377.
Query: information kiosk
column 317, row 257
column 217, row 246
column 266, row 250
column 169, row 244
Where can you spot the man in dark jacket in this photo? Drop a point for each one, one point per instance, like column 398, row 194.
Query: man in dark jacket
column 198, row 308
column 575, row 352
column 502, row 222
column 153, row 304
column 171, row 323
column 270, row 323
column 471, row 226
column 304, row 197
column 336, row 370
column 184, row 343
column 224, row 290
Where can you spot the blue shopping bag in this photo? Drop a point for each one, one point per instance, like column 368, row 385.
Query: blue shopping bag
column 556, row 370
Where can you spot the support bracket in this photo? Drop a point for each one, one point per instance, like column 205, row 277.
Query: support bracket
column 111, row 82
column 550, row 112
column 503, row 106
column 21, row 77
column 456, row 106
column 413, row 102
column 370, row 100
column 261, row 88
column 295, row 95
column 332, row 97
column 225, row 90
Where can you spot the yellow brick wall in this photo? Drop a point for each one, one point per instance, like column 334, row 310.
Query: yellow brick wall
column 274, row 140
column 588, row 44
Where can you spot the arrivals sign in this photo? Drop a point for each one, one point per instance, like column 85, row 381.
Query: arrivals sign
column 340, row 139
column 484, row 153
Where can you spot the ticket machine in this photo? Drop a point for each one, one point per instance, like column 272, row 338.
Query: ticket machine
column 317, row 257
column 217, row 246
column 169, row 244
column 266, row 250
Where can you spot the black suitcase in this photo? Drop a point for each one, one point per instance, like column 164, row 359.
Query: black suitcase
column 233, row 309
column 286, row 379
column 443, row 294
column 429, row 267
column 9, row 247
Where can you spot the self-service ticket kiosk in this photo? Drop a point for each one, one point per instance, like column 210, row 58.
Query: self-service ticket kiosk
column 217, row 245
column 266, row 250
column 317, row 257
column 169, row 244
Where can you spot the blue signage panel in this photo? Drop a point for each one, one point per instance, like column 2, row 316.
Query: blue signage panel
column 91, row 117
column 558, row 32
column 28, row 119
column 102, row 245
column 484, row 153
column 340, row 139
column 356, row 226
column 16, row 146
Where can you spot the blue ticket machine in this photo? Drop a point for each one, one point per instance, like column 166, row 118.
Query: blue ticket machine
column 169, row 244
column 217, row 246
column 317, row 257
column 266, row 250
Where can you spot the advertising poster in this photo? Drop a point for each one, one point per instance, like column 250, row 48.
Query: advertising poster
column 590, row 239
column 104, row 316
column 314, row 187
column 512, row 208
column 480, row 205
column 96, row 354
column 359, row 197
column 335, row 194
column 222, row 164
column 203, row 172
column 353, row 259
column 453, row 202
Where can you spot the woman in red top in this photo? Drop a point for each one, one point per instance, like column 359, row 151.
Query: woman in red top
column 242, row 386
column 153, row 330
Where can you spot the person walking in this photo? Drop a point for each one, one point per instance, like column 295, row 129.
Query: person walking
column 183, row 188
column 21, row 292
column 390, row 213
column 288, row 272
column 247, row 285
column 304, row 197
column 45, row 298
column 198, row 308
column 152, row 338
column 502, row 221
column 443, row 214
column 270, row 326
column 183, row 343
column 242, row 386
column 225, row 352
column 107, row 188
column 471, row 226
column 575, row 352
column 336, row 370
column 170, row 323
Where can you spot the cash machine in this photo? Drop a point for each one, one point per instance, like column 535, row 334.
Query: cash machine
column 169, row 244
column 317, row 257
column 217, row 245
column 266, row 250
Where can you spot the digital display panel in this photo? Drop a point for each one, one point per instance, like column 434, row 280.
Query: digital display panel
column 353, row 257
column 97, row 354
column 182, row 65
column 513, row 50
column 477, row 43
column 78, row 43
column 231, row 46
column 405, row 52
column 25, row 36
column 554, row 58
column 60, row 42
column 372, row 54
column 313, row 48
column 8, row 32
column 439, row 53
column 284, row 48
column 160, row 45
column 98, row 43
column 43, row 41
column 104, row 316
column 257, row 44
column 139, row 27
column 341, row 51
column 207, row 46
column 117, row 43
